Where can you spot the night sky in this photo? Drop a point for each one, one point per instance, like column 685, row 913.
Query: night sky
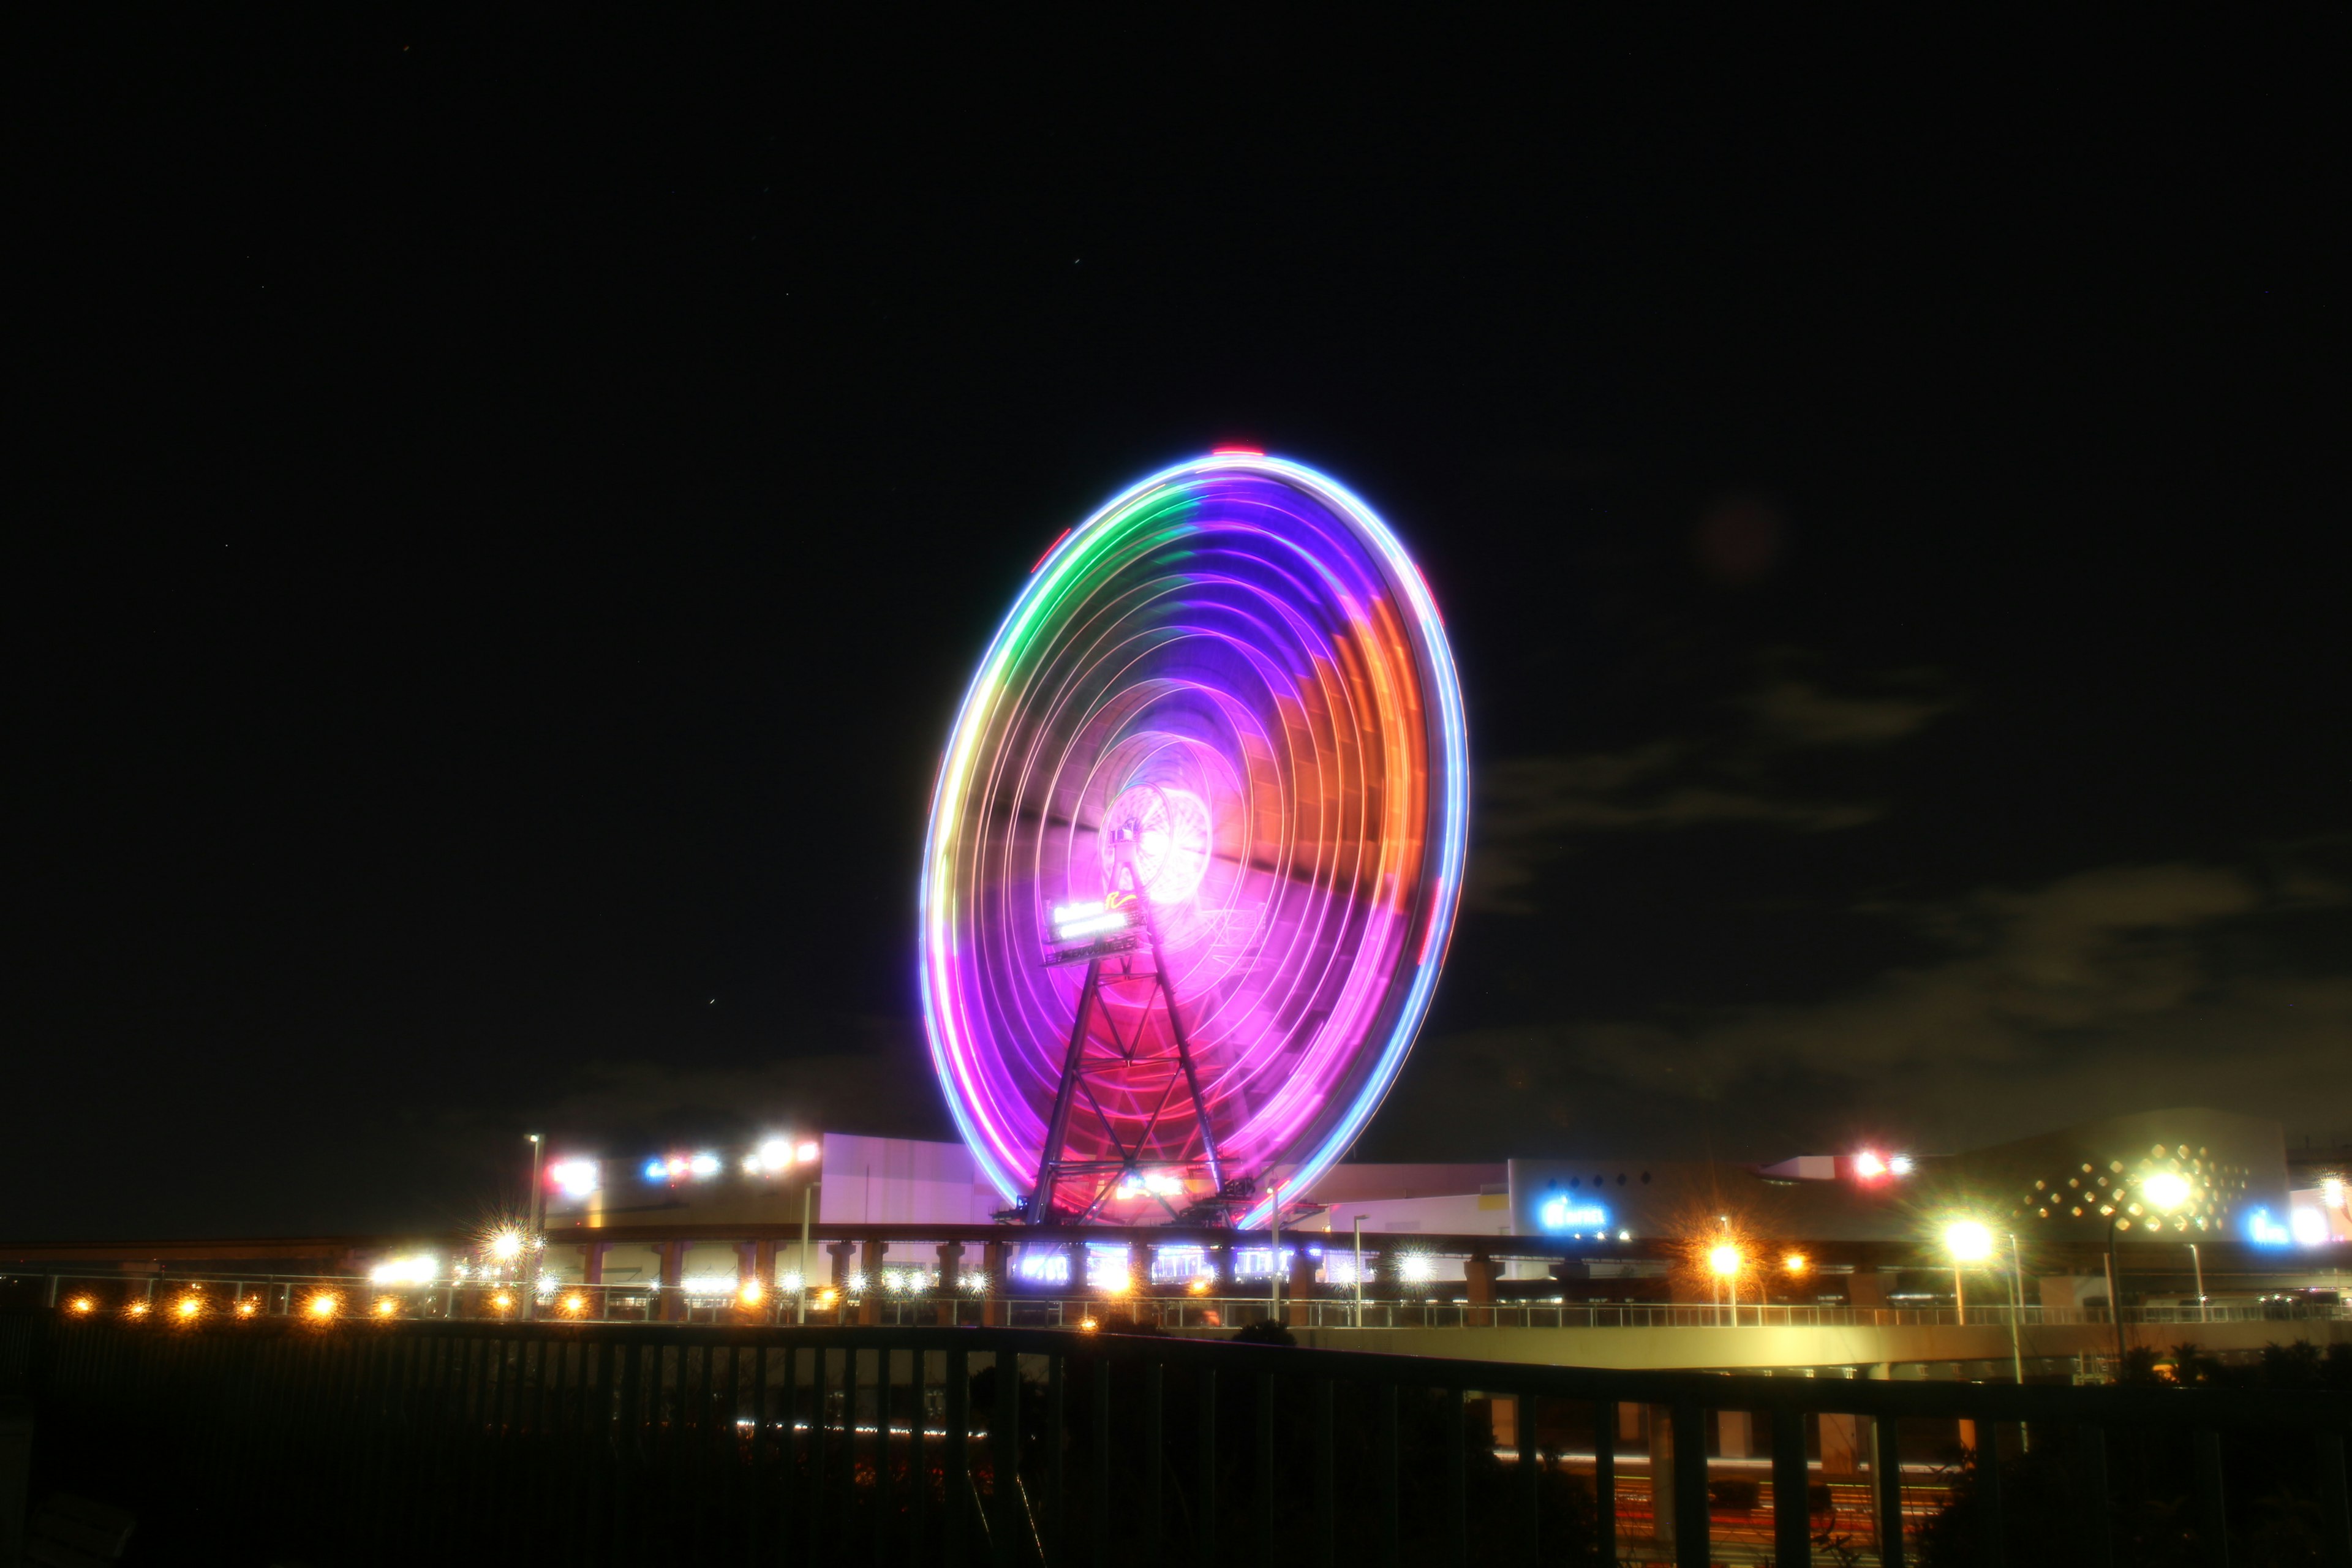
column 500, row 520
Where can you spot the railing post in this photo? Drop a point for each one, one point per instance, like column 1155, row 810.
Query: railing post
column 1005, row 1450
column 919, row 1470
column 1604, row 1477
column 1155, row 1504
column 2213, row 1521
column 1523, row 1410
column 2099, row 1540
column 1384, row 1476
column 1992, row 1543
column 1691, row 1520
column 1327, row 1506
column 1057, row 1516
column 2335, row 1507
column 955, row 1466
column 1205, row 1408
column 1888, row 1466
column 1265, row 1456
column 1457, row 1480
column 1098, row 1478
column 1793, row 1514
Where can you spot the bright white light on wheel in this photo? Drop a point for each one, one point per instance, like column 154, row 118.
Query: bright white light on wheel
column 1172, row 846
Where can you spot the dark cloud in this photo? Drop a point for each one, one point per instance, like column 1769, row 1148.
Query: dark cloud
column 2105, row 991
column 1533, row 809
column 1801, row 713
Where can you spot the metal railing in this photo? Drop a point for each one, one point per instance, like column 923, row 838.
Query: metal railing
column 356, row 1441
column 649, row 1301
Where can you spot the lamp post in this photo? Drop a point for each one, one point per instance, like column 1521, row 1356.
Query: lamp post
column 1357, row 1226
column 1967, row 1242
column 808, row 1194
column 2197, row 1266
column 1274, row 1261
column 535, row 1213
column 2017, row 1310
column 1724, row 1262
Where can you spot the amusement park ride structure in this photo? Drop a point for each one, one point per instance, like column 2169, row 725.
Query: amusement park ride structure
column 1215, row 756
column 1131, row 1067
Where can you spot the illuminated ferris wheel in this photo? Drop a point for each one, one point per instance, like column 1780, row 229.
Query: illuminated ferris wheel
column 1195, row 850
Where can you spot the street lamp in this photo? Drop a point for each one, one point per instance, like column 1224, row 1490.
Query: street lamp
column 2162, row 1191
column 1724, row 1261
column 1967, row 1242
column 535, row 1213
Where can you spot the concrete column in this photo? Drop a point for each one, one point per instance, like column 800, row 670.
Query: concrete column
column 869, row 1309
column 1845, row 1443
column 950, row 1280
column 1732, row 1436
column 592, row 1276
column 1479, row 1273
column 673, row 1275
column 1301, row 1291
column 997, row 1258
column 1662, row 1477
column 763, row 1264
column 840, row 1252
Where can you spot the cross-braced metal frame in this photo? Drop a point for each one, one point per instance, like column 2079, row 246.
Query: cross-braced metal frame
column 1139, row 1070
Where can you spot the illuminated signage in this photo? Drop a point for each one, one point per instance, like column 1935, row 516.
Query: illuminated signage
column 1559, row 1214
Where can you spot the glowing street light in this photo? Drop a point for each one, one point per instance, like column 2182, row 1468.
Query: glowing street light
column 2162, row 1191
column 1967, row 1242
column 1724, row 1260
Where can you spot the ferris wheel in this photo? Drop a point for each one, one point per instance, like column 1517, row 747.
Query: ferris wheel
column 1195, row 851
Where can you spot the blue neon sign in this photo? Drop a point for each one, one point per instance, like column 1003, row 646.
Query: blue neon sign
column 1558, row 1214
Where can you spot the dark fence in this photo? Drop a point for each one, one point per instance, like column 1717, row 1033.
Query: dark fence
column 284, row 1441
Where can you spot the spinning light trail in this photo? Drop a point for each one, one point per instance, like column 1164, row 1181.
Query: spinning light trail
column 1195, row 849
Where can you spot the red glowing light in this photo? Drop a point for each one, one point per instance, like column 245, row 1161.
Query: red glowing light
column 1050, row 548
column 1236, row 452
